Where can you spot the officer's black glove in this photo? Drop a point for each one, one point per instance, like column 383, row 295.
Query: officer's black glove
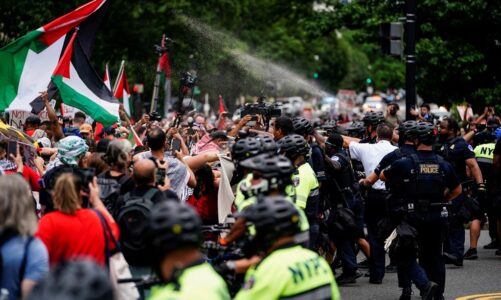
column 481, row 192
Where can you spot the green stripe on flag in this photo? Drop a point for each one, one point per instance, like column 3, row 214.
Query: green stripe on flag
column 73, row 98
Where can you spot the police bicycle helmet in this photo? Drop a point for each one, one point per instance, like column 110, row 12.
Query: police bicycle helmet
column 373, row 118
column 273, row 217
column 245, row 148
column 424, row 132
column 276, row 169
column 268, row 144
column 79, row 280
column 405, row 129
column 172, row 226
column 293, row 145
column 302, row 126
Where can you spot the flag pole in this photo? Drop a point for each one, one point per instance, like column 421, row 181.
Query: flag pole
column 119, row 76
column 156, row 86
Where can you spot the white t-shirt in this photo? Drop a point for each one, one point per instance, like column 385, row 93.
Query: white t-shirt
column 370, row 155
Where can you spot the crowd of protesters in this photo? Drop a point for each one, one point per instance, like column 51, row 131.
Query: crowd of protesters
column 90, row 191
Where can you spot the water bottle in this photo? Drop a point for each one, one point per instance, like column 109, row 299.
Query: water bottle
column 444, row 214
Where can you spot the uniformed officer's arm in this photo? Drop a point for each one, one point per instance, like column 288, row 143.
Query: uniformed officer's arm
column 469, row 136
column 475, row 170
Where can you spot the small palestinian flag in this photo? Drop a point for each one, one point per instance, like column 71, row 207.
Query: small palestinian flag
column 106, row 78
column 121, row 89
column 26, row 64
column 81, row 87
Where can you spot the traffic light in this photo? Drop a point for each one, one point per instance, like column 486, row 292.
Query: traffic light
column 391, row 36
column 315, row 75
column 368, row 81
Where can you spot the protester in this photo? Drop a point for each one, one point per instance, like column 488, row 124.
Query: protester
column 24, row 259
column 75, row 230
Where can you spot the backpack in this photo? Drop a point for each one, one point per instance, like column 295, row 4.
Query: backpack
column 109, row 190
column 132, row 218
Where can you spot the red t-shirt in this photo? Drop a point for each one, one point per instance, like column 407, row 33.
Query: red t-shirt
column 75, row 236
column 30, row 175
column 206, row 207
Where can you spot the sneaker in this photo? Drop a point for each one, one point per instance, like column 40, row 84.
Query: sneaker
column 364, row 264
column 498, row 252
column 471, row 254
column 453, row 260
column 406, row 294
column 429, row 290
column 348, row 278
column 390, row 268
column 492, row 245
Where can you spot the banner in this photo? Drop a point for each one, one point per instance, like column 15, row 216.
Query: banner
column 18, row 117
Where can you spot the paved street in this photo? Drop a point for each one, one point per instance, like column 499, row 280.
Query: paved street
column 479, row 276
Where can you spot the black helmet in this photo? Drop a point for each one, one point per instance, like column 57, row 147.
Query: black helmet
column 293, row 145
column 245, row 148
column 80, row 280
column 273, row 217
column 268, row 144
column 276, row 169
column 171, row 226
column 373, row 118
column 425, row 133
column 406, row 128
column 356, row 127
column 302, row 126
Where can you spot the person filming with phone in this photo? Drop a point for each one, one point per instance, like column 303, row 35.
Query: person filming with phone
column 11, row 161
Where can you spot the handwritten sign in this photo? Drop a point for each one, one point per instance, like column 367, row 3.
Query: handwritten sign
column 18, row 117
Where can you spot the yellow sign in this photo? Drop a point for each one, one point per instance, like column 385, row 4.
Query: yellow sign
column 492, row 296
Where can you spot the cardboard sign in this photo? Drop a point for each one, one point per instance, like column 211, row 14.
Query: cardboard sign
column 18, row 117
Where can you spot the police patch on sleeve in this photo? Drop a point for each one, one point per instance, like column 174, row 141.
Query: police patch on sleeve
column 249, row 283
column 295, row 181
column 470, row 147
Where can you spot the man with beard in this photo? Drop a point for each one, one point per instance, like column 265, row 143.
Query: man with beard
column 391, row 117
column 460, row 154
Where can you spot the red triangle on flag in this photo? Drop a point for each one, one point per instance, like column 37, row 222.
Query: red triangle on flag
column 63, row 66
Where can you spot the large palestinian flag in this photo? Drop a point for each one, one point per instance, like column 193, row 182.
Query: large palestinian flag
column 26, row 64
column 81, row 87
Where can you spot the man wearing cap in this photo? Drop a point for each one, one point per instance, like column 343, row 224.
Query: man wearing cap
column 86, row 131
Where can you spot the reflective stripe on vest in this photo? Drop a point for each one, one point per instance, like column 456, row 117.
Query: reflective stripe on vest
column 323, row 292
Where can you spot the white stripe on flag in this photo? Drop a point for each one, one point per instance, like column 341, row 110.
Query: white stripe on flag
column 36, row 75
column 79, row 86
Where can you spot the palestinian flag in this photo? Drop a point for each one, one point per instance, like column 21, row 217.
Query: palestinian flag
column 134, row 138
column 106, row 78
column 121, row 89
column 81, row 87
column 26, row 64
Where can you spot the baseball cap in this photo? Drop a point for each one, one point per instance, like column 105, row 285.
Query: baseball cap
column 85, row 128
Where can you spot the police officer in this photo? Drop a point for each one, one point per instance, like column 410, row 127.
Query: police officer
column 271, row 176
column 456, row 151
column 423, row 179
column 341, row 190
column 484, row 153
column 371, row 121
column 174, row 231
column 287, row 270
column 304, row 128
column 295, row 148
column 244, row 149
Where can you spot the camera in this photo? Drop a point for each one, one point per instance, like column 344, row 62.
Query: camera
column 188, row 80
column 261, row 108
column 154, row 116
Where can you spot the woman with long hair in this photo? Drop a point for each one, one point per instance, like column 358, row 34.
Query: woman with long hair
column 73, row 230
column 23, row 260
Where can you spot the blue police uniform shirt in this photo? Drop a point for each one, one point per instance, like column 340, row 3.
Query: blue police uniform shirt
column 388, row 159
column 402, row 169
column 317, row 162
column 458, row 153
